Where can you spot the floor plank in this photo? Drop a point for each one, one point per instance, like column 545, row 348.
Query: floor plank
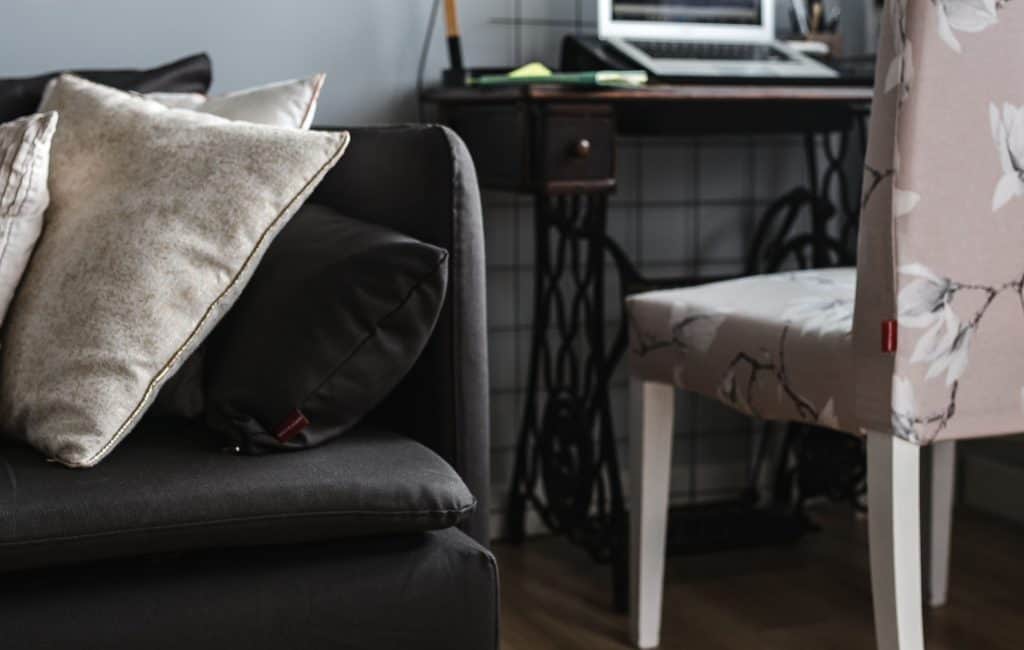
column 813, row 595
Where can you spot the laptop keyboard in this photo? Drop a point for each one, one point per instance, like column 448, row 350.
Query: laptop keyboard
column 710, row 51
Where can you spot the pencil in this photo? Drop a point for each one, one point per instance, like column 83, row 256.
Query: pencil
column 451, row 14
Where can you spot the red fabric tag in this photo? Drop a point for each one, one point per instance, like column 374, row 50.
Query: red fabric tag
column 889, row 330
column 292, row 426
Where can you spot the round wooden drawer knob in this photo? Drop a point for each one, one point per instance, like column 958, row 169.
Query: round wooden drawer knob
column 582, row 148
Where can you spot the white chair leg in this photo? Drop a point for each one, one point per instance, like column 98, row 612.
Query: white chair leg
column 939, row 485
column 894, row 532
column 650, row 464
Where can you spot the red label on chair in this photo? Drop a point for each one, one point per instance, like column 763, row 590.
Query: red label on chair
column 292, row 426
column 889, row 330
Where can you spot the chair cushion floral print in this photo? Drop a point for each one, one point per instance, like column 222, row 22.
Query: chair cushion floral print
column 941, row 254
column 775, row 346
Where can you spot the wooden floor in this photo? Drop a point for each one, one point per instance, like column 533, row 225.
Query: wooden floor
column 814, row 595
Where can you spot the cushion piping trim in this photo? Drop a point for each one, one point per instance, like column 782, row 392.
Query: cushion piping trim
column 375, row 332
column 307, row 117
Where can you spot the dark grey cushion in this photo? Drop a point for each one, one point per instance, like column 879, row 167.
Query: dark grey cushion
column 21, row 95
column 335, row 315
column 167, row 489
column 430, row 591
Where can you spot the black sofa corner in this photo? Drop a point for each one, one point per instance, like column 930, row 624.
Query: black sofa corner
column 133, row 554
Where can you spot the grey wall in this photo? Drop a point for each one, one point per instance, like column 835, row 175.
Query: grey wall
column 369, row 48
column 682, row 206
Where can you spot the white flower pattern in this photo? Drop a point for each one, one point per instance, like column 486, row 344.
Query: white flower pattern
column 926, row 303
column 1008, row 134
column 904, row 410
column 827, row 417
column 826, row 309
column 922, row 300
column 964, row 16
column 901, row 68
column 821, row 314
column 904, row 202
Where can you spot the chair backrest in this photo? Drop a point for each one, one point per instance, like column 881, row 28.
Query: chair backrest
column 941, row 247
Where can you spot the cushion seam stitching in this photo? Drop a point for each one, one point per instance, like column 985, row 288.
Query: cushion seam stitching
column 335, row 369
column 366, row 514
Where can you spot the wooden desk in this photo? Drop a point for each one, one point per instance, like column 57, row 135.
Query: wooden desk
column 558, row 145
column 524, row 138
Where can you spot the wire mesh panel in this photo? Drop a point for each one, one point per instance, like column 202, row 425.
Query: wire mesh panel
column 684, row 206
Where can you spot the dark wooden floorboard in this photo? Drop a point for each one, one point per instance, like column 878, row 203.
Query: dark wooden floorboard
column 813, row 595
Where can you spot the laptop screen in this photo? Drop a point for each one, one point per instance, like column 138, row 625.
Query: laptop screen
column 717, row 12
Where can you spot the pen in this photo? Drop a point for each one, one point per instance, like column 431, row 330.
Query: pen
column 816, row 14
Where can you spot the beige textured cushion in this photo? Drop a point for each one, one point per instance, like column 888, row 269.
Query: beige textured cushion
column 289, row 103
column 158, row 218
column 286, row 103
column 24, row 166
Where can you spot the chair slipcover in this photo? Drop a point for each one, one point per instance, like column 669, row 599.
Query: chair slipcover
column 778, row 346
column 941, row 253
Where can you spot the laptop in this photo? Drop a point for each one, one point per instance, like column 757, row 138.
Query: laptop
column 704, row 38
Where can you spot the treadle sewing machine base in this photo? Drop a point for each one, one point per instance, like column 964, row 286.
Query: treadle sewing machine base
column 558, row 145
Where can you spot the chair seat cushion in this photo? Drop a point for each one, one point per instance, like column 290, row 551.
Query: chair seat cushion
column 777, row 347
column 171, row 489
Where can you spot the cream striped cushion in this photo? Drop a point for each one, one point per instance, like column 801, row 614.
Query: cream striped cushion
column 24, row 167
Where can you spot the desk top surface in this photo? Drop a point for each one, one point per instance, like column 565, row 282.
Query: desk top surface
column 655, row 93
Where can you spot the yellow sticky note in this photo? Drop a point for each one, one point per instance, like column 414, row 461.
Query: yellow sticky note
column 531, row 70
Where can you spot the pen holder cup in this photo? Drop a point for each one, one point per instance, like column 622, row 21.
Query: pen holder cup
column 833, row 40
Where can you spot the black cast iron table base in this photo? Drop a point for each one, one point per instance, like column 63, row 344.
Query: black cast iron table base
column 566, row 466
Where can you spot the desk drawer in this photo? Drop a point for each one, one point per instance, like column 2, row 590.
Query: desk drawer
column 575, row 148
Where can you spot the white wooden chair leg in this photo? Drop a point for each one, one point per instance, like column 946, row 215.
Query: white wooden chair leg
column 939, row 485
column 894, row 531
column 650, row 464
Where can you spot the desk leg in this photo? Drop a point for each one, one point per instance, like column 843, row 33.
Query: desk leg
column 830, row 193
column 566, row 468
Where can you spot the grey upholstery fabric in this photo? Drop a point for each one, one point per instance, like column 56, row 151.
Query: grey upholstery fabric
column 169, row 488
column 419, row 590
column 433, row 591
column 347, row 306
column 21, row 95
column 420, row 181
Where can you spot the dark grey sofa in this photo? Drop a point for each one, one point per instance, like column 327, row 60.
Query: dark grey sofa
column 371, row 541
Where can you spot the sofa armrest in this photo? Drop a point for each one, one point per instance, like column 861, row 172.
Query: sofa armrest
column 420, row 180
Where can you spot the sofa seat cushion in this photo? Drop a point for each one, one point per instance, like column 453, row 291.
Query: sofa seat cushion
column 429, row 591
column 171, row 489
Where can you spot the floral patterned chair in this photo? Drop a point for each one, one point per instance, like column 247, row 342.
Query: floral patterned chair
column 915, row 348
